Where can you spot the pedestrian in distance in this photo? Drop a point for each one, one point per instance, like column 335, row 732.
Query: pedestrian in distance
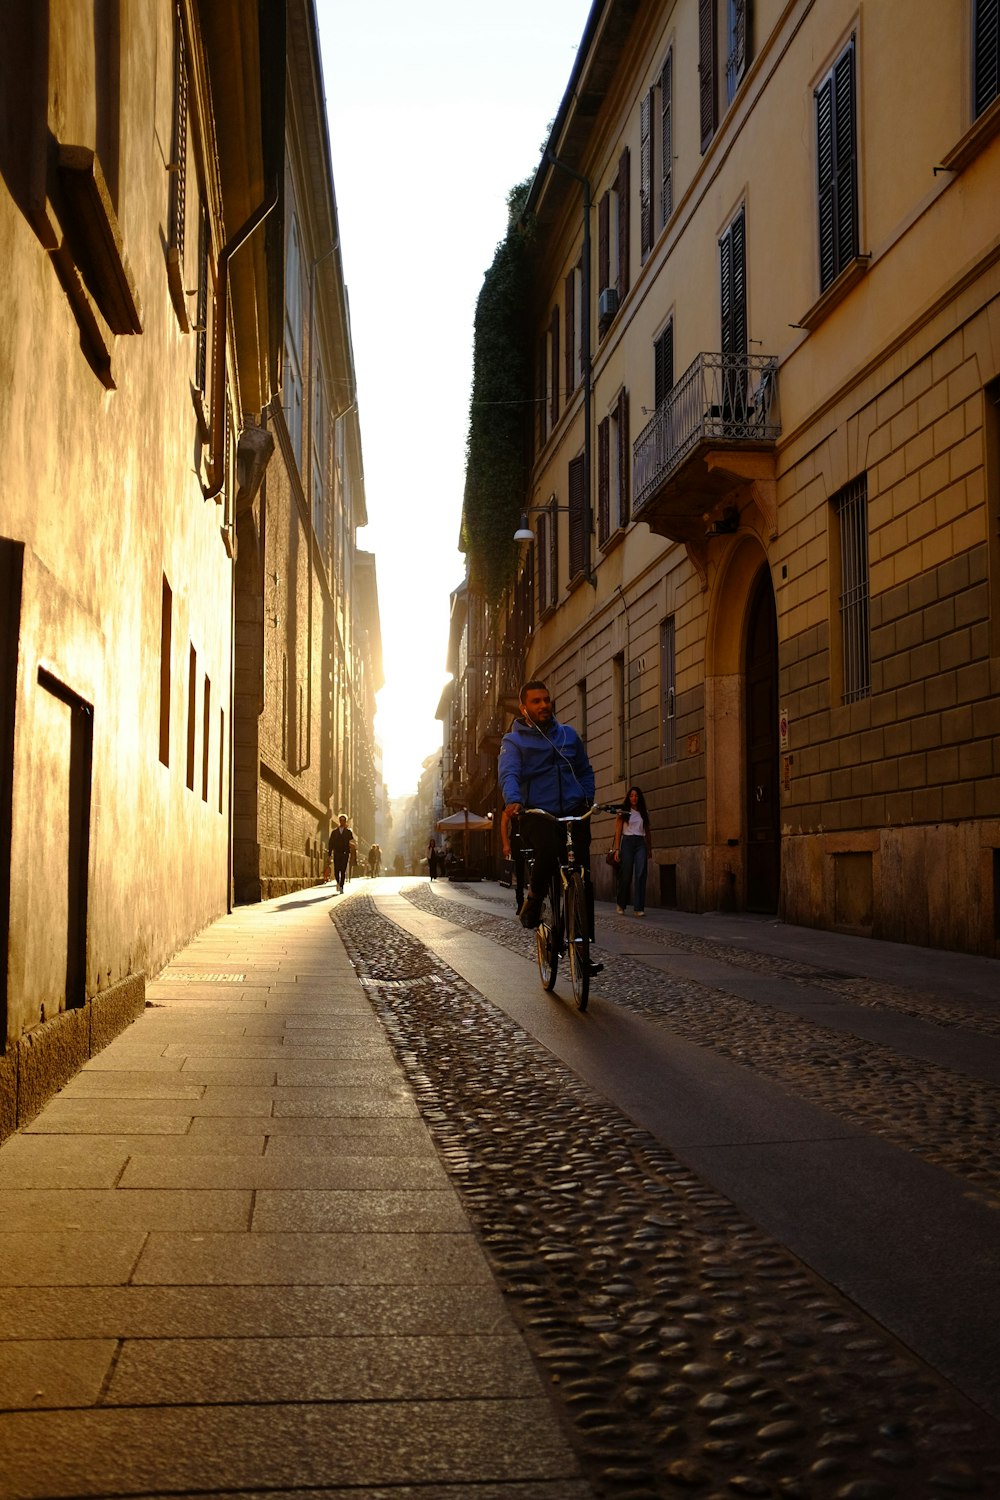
column 339, row 849
column 432, row 859
column 374, row 861
column 544, row 764
column 633, row 845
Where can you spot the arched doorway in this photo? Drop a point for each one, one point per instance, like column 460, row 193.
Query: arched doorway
column 763, row 809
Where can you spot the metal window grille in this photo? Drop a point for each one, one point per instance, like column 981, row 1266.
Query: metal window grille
column 852, row 516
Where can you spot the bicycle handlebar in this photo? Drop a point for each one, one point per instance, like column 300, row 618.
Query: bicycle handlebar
column 541, row 812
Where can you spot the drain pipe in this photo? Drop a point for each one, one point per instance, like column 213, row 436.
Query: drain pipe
column 216, row 468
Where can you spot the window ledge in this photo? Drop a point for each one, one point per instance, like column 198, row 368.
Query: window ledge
column 613, row 540
column 978, row 135
column 96, row 239
column 176, row 287
column 835, row 292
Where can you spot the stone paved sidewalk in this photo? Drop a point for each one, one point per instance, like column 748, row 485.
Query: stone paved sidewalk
column 231, row 1261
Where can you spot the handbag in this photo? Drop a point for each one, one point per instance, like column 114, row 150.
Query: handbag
column 612, row 858
column 506, row 877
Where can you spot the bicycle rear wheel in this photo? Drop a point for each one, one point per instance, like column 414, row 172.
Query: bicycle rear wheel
column 548, row 939
column 578, row 939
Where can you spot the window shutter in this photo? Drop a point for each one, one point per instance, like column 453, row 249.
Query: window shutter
column 737, row 60
column 624, row 172
column 542, row 557
column 663, row 364
column 667, row 138
column 706, row 70
column 554, row 350
column 179, row 147
column 604, row 242
column 541, row 393
column 570, row 298
column 646, row 175
column 577, row 517
column 553, row 556
column 986, row 46
column 624, row 505
column 836, row 153
column 603, row 480
column 847, row 218
column 732, row 264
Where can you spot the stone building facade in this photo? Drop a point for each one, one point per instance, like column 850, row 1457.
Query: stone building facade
column 765, row 489
column 142, row 232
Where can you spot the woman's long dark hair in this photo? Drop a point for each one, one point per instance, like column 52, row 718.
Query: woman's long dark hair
column 640, row 802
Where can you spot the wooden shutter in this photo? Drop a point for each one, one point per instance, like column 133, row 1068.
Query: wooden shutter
column 663, row 364
column 666, row 139
column 578, row 529
column 603, row 480
column 646, row 175
column 604, row 242
column 732, row 264
column 542, row 558
column 622, row 186
column 706, row 71
column 986, row 48
column 179, row 145
column 624, row 498
column 836, row 152
column 554, row 366
column 541, row 392
column 553, row 555
column 570, row 298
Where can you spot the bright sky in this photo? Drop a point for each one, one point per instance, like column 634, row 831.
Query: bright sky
column 436, row 111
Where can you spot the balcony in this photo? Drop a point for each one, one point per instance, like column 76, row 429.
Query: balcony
column 708, row 448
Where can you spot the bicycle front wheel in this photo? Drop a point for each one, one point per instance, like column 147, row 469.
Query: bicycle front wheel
column 578, row 939
column 548, row 940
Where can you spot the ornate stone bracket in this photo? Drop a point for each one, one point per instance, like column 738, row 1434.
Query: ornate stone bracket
column 755, row 473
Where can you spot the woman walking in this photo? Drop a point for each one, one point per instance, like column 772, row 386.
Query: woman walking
column 633, row 844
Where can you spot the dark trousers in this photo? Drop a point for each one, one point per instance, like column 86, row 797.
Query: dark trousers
column 548, row 842
column 340, row 867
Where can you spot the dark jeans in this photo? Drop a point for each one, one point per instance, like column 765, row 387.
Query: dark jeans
column 632, row 869
column 340, row 868
column 548, row 841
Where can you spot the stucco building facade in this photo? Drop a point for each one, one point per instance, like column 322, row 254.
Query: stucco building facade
column 143, row 222
column 765, row 488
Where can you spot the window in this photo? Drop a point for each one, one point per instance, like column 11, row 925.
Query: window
column 738, row 50
column 553, row 553
column 986, row 50
column 837, row 160
column 618, row 711
column 579, row 529
column 707, row 102
column 613, row 230
column 581, row 709
column 177, row 204
column 851, row 509
column 666, row 139
column 668, row 692
column 991, row 469
column 292, row 401
column 613, row 497
column 166, row 625
column 542, row 391
column 663, row 365
column 201, row 309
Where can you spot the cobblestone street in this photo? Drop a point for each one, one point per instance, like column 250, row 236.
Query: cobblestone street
column 687, row 1349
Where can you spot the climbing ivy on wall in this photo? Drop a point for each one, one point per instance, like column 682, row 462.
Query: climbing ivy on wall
column 499, row 415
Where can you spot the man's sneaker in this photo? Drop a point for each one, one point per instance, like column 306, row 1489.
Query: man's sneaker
column 640, row 913
column 620, row 910
column 531, row 910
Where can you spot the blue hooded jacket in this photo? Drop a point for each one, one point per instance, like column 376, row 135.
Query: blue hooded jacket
column 545, row 768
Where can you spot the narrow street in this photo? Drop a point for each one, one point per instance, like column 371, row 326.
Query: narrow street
column 356, row 1208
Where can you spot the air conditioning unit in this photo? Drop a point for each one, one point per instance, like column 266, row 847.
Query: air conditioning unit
column 607, row 305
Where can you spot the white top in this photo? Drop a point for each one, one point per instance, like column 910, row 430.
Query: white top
column 634, row 828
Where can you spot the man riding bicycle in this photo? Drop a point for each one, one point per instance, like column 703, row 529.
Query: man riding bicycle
column 543, row 764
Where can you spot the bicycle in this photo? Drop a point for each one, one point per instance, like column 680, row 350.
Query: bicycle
column 563, row 927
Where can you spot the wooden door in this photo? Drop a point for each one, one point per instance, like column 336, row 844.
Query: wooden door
column 763, row 811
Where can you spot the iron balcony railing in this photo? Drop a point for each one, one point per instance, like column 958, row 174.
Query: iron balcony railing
column 729, row 397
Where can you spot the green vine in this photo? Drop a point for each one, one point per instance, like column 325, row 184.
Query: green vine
column 496, row 455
